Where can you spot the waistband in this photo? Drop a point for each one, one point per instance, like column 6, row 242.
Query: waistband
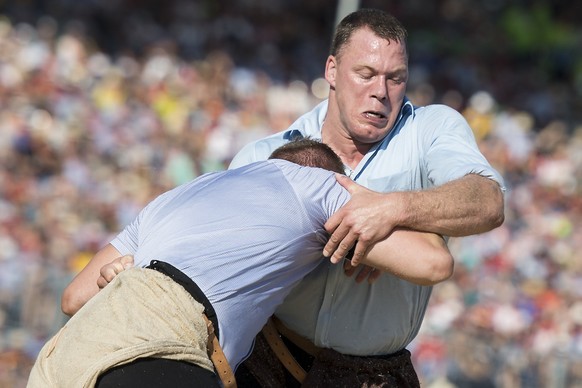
column 190, row 286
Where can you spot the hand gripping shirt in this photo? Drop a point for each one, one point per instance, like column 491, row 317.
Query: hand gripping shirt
column 428, row 146
column 245, row 236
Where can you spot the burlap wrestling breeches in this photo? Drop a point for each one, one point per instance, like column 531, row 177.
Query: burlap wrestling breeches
column 141, row 313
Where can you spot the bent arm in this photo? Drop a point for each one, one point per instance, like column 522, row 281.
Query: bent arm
column 84, row 286
column 418, row 257
column 469, row 205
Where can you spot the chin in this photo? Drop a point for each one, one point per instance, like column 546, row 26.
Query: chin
column 367, row 140
column 371, row 138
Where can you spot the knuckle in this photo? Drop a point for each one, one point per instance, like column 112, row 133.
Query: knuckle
column 344, row 246
column 365, row 237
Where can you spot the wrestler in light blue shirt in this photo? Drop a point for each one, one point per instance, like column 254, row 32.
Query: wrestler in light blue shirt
column 427, row 147
column 245, row 237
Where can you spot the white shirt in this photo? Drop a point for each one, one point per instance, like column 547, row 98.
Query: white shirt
column 245, row 237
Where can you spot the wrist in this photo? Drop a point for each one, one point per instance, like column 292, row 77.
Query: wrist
column 400, row 203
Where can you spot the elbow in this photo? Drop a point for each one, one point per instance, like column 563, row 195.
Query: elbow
column 497, row 212
column 497, row 207
column 438, row 270
column 445, row 270
column 493, row 208
column 499, row 216
column 67, row 304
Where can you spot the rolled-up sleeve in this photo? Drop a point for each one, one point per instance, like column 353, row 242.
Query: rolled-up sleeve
column 451, row 149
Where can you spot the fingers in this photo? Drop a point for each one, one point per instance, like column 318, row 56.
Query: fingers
column 361, row 251
column 338, row 251
column 126, row 261
column 336, row 219
column 333, row 223
column 101, row 282
column 349, row 269
column 342, row 225
column 365, row 271
column 374, row 275
column 332, row 244
column 109, row 271
column 340, row 240
column 346, row 182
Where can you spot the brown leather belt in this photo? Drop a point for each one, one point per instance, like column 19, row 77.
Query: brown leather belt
column 369, row 368
column 218, row 358
column 305, row 344
column 271, row 332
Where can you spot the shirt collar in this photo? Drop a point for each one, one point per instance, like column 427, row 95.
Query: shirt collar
column 407, row 108
column 311, row 123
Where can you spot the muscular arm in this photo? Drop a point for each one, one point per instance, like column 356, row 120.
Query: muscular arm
column 84, row 286
column 469, row 205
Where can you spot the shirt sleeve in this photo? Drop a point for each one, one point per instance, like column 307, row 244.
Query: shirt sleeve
column 257, row 151
column 126, row 242
column 451, row 149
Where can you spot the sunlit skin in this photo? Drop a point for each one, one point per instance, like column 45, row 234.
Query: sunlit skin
column 367, row 81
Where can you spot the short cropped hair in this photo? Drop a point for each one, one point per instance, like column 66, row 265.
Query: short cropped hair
column 380, row 22
column 310, row 153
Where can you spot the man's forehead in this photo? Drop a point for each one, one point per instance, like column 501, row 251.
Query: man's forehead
column 365, row 39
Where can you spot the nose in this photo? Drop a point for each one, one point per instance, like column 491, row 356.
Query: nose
column 380, row 89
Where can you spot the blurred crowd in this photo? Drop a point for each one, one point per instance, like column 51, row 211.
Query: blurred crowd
column 92, row 128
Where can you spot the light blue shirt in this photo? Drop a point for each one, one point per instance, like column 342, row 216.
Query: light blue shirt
column 428, row 146
column 245, row 236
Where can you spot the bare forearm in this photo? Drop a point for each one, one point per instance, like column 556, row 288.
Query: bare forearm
column 470, row 205
column 419, row 257
column 84, row 286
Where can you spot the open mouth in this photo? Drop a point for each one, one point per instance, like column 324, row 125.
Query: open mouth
column 375, row 115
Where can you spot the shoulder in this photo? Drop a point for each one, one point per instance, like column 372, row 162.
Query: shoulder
column 437, row 112
column 308, row 124
column 258, row 150
column 304, row 179
column 436, row 120
column 314, row 186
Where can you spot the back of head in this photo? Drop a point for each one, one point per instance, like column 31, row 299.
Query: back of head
column 380, row 22
column 310, row 153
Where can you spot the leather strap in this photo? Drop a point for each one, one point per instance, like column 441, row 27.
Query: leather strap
column 218, row 358
column 302, row 342
column 281, row 351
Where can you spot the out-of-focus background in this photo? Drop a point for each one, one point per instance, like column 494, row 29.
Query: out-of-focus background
column 103, row 105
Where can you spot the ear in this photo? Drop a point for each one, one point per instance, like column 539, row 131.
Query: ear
column 331, row 70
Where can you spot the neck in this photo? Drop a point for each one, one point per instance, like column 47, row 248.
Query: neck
column 350, row 152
